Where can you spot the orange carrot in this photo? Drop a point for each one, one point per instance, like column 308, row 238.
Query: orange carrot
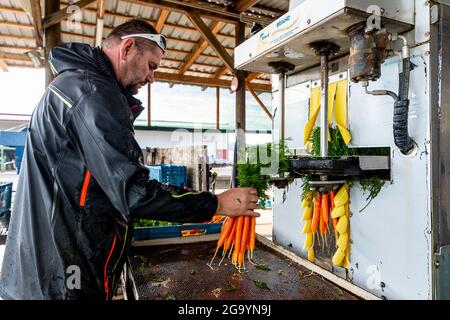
column 322, row 225
column 325, row 208
column 244, row 240
column 230, row 238
column 228, row 242
column 252, row 237
column 316, row 214
column 226, row 229
column 335, row 220
column 237, row 239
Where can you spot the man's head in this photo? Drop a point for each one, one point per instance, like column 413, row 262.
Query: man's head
column 135, row 50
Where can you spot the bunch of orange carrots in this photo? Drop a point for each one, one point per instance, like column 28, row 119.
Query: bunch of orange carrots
column 237, row 237
column 317, row 219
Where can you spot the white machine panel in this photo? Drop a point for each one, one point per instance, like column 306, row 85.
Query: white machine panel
column 391, row 239
column 289, row 37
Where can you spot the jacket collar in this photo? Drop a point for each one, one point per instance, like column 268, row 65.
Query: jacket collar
column 105, row 66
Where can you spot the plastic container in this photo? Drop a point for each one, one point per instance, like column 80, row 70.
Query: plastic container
column 169, row 173
column 148, row 233
column 5, row 196
column 5, row 204
column 19, row 156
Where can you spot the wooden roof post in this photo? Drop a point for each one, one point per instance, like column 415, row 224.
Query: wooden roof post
column 52, row 37
column 240, row 106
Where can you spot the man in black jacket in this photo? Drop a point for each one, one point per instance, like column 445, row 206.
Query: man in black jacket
column 83, row 181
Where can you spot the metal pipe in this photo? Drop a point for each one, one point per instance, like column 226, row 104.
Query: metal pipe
column 325, row 50
column 282, row 104
column 324, row 109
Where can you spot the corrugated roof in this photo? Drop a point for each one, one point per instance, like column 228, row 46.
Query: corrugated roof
column 17, row 32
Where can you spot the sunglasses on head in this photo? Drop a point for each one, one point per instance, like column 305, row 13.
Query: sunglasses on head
column 159, row 39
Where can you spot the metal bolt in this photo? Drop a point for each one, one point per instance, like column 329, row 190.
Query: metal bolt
column 437, row 264
column 382, row 285
column 308, row 21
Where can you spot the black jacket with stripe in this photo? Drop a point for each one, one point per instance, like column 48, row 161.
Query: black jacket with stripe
column 82, row 183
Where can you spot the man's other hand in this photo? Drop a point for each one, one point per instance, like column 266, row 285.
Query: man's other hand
column 237, row 202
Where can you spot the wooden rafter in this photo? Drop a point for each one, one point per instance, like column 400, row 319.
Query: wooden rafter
column 261, row 104
column 65, row 33
column 7, row 36
column 14, row 56
column 99, row 23
column 198, row 49
column 11, row 9
column 115, row 15
column 203, row 81
column 36, row 14
column 3, row 65
column 210, row 11
column 211, row 39
column 7, row 47
column 252, row 76
column 244, row 5
column 62, row 14
column 220, row 72
column 161, row 20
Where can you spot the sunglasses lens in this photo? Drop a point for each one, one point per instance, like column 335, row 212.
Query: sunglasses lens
column 164, row 42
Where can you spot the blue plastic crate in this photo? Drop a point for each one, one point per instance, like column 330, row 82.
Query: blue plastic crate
column 169, row 173
column 148, row 233
column 5, row 196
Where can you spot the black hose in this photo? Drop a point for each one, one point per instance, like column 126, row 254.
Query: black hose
column 401, row 109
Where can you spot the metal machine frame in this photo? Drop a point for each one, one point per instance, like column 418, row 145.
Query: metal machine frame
column 420, row 252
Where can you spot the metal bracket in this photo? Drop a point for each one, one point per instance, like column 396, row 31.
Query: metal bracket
column 434, row 14
column 442, row 265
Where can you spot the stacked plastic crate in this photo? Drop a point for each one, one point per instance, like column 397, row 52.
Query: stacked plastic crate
column 173, row 174
column 5, row 203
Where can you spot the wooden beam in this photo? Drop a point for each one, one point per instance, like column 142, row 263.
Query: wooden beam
column 198, row 49
column 203, row 81
column 261, row 104
column 101, row 9
column 3, row 65
column 154, row 22
column 6, row 47
column 211, row 38
column 162, row 20
column 52, row 35
column 16, row 25
column 58, row 16
column 240, row 115
column 99, row 23
column 207, row 10
column 93, row 25
column 7, row 36
column 36, row 14
column 12, row 10
column 168, row 38
column 217, row 108
column 252, row 76
column 220, row 72
column 14, row 56
column 244, row 5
